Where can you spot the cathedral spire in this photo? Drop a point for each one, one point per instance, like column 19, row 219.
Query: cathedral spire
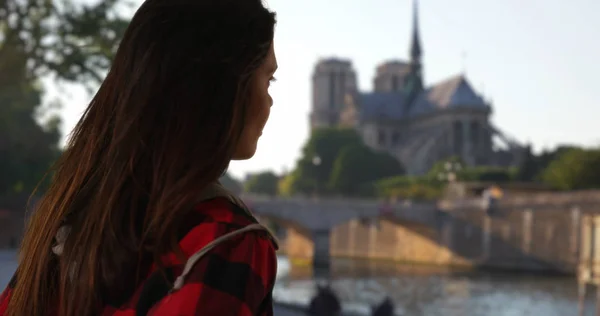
column 414, row 81
column 415, row 47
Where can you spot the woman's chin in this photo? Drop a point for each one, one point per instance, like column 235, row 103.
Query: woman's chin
column 246, row 153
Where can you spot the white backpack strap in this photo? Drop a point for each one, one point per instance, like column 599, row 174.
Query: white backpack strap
column 200, row 253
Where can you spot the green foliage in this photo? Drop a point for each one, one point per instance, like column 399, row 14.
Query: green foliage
column 431, row 185
column 529, row 169
column 265, row 183
column 350, row 171
column 313, row 169
column 61, row 39
column 357, row 166
column 335, row 161
column 533, row 165
column 418, row 191
column 441, row 169
column 486, row 174
column 358, row 171
column 410, row 187
column 295, row 183
column 285, row 185
column 71, row 40
column 574, row 169
column 27, row 149
column 384, row 165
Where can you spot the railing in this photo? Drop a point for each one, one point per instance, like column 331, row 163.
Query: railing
column 306, row 199
column 557, row 199
column 252, row 198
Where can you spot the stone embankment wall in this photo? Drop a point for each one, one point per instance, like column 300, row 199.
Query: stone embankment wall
column 512, row 237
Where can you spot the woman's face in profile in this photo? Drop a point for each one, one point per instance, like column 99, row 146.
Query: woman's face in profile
column 259, row 108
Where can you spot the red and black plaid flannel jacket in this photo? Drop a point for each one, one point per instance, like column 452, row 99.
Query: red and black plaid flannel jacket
column 234, row 279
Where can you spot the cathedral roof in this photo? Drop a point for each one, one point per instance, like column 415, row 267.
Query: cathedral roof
column 454, row 92
column 378, row 105
column 450, row 93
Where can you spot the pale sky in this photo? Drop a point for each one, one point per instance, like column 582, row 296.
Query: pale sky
column 536, row 60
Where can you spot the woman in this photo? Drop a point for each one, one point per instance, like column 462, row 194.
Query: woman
column 134, row 196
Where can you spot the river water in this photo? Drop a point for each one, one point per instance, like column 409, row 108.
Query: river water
column 416, row 290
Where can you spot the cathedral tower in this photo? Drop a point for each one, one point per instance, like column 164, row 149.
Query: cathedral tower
column 391, row 76
column 332, row 79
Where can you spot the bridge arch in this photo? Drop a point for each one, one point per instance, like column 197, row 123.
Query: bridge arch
column 383, row 237
column 403, row 231
column 298, row 240
column 396, row 234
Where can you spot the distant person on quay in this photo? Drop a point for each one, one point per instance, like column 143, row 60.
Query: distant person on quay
column 490, row 199
column 135, row 221
column 385, row 308
column 324, row 303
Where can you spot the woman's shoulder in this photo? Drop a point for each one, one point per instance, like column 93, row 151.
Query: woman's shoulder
column 239, row 272
column 218, row 217
column 224, row 210
column 213, row 279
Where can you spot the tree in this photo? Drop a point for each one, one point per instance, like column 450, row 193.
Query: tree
column 409, row 187
column 441, row 169
column 529, row 169
column 58, row 38
column 26, row 149
column 292, row 184
column 324, row 168
column 533, row 165
column 384, row 165
column 574, row 169
column 487, row 174
column 262, row 183
column 45, row 38
column 313, row 169
column 357, row 168
column 346, row 178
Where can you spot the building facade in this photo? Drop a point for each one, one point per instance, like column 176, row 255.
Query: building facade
column 417, row 124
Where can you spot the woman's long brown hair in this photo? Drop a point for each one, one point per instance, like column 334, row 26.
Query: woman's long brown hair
column 163, row 125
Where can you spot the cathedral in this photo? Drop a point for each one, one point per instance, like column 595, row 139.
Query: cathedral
column 417, row 124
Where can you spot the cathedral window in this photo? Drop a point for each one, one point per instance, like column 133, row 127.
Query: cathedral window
column 381, row 139
column 395, row 83
column 395, row 138
column 474, row 133
column 342, row 86
column 457, row 135
column 332, row 90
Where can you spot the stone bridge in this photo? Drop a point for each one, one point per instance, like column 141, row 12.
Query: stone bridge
column 315, row 219
column 529, row 232
column 324, row 214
